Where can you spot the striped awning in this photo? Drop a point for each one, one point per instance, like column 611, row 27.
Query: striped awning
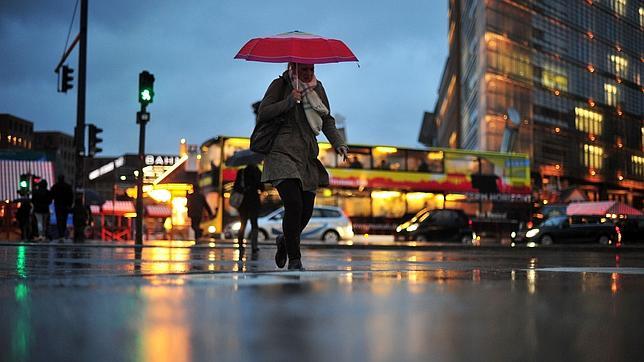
column 158, row 211
column 601, row 208
column 10, row 171
column 118, row 208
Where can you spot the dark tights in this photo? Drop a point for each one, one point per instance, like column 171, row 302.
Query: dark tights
column 298, row 207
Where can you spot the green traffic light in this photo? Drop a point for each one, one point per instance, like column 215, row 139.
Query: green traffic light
column 23, row 184
column 146, row 95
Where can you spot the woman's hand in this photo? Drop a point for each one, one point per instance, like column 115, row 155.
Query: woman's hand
column 296, row 95
column 344, row 152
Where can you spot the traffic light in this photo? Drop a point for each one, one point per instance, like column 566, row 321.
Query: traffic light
column 24, row 185
column 146, row 88
column 94, row 140
column 67, row 79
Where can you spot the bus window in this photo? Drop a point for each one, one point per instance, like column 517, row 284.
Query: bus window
column 388, row 158
column 425, row 161
column 327, row 155
column 359, row 157
column 233, row 145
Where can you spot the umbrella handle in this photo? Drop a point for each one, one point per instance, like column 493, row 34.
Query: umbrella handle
column 297, row 82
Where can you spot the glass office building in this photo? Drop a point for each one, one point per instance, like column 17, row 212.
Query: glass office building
column 563, row 78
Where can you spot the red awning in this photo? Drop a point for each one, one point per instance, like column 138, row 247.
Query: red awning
column 601, row 208
column 119, row 208
column 10, row 171
column 158, row 211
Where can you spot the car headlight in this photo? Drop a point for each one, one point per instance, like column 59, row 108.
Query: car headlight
column 212, row 229
column 412, row 227
column 513, row 235
column 235, row 226
column 531, row 233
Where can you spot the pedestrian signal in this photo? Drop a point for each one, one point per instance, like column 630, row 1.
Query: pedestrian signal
column 146, row 88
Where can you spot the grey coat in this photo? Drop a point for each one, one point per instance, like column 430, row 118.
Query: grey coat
column 295, row 149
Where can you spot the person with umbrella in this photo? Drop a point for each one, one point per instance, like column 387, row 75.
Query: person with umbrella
column 292, row 165
column 196, row 203
column 298, row 104
column 248, row 183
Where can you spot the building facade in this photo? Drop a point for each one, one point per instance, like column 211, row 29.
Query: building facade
column 15, row 132
column 60, row 148
column 563, row 77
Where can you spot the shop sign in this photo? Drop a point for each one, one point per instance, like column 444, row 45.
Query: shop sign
column 160, row 160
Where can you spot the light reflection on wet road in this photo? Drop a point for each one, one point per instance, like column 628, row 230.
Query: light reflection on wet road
column 211, row 303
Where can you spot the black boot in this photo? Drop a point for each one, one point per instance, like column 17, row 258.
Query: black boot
column 295, row 264
column 280, row 255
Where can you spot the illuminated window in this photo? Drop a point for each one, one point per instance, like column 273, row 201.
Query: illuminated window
column 619, row 6
column 554, row 77
column 638, row 165
column 388, row 204
column 588, row 121
column 642, row 17
column 620, row 64
column 610, row 94
column 593, row 157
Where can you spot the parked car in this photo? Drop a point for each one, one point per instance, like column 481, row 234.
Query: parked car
column 327, row 223
column 571, row 229
column 437, row 225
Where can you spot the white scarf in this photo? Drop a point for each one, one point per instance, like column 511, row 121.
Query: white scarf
column 314, row 108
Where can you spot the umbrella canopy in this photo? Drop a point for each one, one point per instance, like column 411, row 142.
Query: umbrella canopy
column 601, row 208
column 92, row 197
column 244, row 157
column 297, row 47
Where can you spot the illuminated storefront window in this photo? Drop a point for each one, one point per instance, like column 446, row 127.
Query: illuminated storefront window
column 620, row 64
column 588, row 121
column 610, row 94
column 593, row 157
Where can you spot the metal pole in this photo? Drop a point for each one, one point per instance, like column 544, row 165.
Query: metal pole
column 79, row 134
column 142, row 119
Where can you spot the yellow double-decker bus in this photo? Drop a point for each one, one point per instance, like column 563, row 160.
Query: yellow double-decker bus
column 380, row 184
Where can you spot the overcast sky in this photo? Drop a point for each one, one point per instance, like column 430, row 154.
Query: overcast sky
column 201, row 91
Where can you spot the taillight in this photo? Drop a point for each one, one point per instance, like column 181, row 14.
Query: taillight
column 529, row 225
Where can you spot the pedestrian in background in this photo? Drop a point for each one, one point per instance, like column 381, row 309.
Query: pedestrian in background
column 41, row 199
column 63, row 199
column 292, row 165
column 196, row 203
column 248, row 182
column 24, row 216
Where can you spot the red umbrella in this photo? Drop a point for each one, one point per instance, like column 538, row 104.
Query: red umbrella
column 297, row 47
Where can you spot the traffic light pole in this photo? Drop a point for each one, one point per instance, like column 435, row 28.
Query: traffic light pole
column 142, row 119
column 79, row 132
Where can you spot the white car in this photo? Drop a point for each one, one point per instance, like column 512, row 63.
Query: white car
column 327, row 223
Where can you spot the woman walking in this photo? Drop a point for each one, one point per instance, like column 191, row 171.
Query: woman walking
column 292, row 165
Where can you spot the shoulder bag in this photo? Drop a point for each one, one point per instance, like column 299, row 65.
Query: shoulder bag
column 261, row 140
column 237, row 197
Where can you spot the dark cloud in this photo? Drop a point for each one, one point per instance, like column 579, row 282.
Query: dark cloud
column 201, row 90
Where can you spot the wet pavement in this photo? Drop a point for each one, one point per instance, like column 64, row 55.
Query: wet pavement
column 179, row 301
